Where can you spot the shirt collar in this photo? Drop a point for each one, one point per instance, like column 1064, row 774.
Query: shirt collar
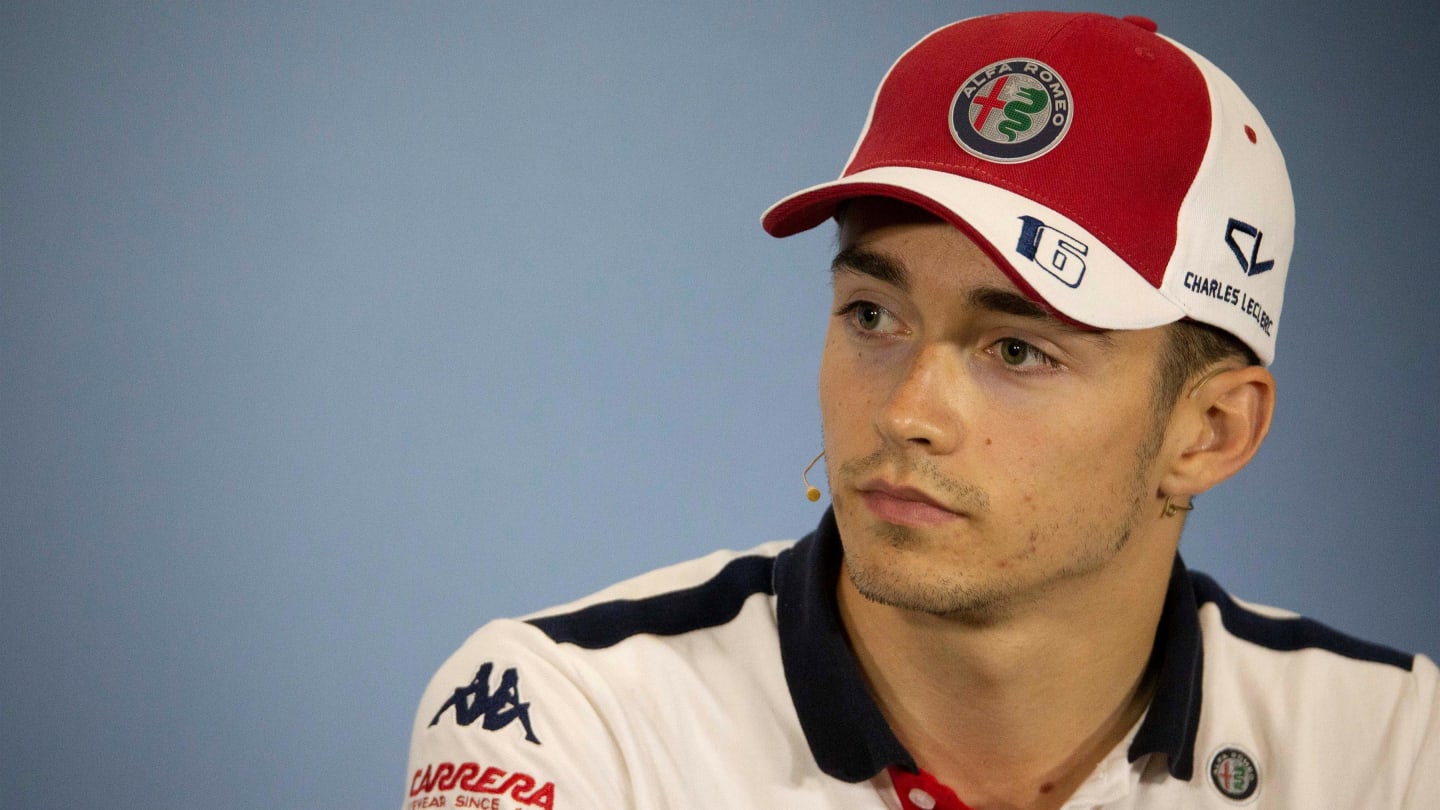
column 1174, row 716
column 848, row 735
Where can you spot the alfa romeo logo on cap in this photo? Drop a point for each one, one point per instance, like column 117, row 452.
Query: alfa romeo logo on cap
column 1233, row 772
column 1012, row 111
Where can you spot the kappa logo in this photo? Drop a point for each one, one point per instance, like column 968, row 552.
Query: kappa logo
column 495, row 710
column 1011, row 111
column 1251, row 264
column 1060, row 255
column 1234, row 774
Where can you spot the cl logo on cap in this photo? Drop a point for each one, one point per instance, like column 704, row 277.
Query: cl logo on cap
column 1252, row 265
column 1012, row 111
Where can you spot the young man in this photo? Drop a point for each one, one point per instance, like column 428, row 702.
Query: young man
column 1063, row 245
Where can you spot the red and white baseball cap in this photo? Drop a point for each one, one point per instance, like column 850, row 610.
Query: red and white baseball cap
column 1117, row 176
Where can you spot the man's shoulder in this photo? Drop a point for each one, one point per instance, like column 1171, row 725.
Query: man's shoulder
column 602, row 697
column 675, row 599
column 644, row 613
column 1276, row 630
column 1295, row 697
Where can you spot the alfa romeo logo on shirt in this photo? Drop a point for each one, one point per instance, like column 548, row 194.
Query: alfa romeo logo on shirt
column 1012, row 111
column 1233, row 772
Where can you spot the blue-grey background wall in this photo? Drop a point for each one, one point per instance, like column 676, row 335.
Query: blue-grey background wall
column 329, row 331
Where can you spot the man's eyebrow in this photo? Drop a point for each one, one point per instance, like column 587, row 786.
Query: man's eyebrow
column 997, row 299
column 876, row 265
column 1010, row 303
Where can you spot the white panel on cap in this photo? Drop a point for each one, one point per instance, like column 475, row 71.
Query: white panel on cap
column 1108, row 295
column 1243, row 181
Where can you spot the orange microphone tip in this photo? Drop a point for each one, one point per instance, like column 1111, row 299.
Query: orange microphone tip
column 813, row 494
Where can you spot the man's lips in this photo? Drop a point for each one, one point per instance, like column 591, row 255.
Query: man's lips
column 904, row 505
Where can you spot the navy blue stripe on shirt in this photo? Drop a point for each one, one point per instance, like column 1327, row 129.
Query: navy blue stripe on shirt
column 1291, row 634
column 710, row 604
column 1178, row 659
column 848, row 735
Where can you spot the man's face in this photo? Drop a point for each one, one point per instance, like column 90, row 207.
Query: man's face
column 979, row 452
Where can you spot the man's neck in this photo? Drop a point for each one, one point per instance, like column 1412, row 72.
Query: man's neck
column 1015, row 711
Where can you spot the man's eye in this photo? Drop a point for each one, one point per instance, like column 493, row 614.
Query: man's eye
column 869, row 316
column 1019, row 354
column 865, row 316
column 1013, row 352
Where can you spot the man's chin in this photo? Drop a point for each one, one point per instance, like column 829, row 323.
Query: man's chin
column 900, row 577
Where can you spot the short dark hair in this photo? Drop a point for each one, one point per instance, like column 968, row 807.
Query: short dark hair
column 1190, row 348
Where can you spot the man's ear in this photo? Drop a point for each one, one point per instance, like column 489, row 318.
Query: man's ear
column 1218, row 426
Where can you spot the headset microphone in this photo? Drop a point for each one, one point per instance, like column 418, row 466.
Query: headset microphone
column 811, row 492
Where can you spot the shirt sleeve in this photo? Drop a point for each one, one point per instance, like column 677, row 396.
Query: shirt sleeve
column 510, row 723
column 1423, row 792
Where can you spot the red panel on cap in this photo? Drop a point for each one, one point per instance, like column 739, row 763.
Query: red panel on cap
column 1139, row 128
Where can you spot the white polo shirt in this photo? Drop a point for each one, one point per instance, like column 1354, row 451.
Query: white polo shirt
column 727, row 682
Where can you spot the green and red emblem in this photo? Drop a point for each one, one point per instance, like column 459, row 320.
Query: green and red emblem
column 1011, row 111
column 1234, row 774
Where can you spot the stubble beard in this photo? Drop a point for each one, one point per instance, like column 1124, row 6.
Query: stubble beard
column 961, row 594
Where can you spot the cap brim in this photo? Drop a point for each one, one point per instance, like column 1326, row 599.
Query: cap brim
column 1088, row 284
